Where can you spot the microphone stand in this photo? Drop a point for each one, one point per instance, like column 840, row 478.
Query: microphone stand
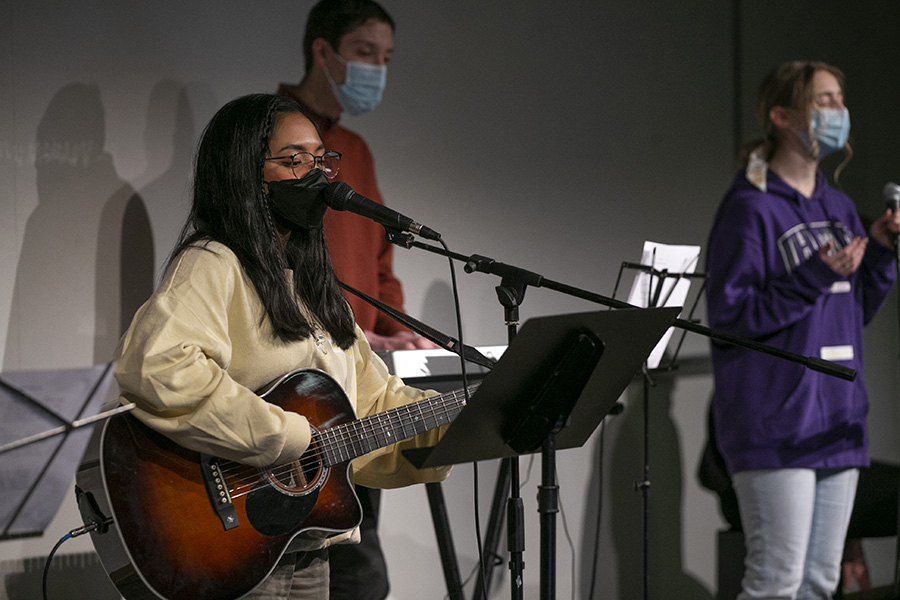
column 510, row 296
column 511, row 291
column 896, row 585
column 891, row 195
column 484, row 264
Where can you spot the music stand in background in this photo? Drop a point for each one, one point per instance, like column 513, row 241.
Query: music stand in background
column 42, row 440
column 652, row 288
column 557, row 380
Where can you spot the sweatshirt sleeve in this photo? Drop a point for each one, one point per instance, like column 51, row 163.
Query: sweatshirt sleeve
column 749, row 293
column 378, row 391
column 173, row 365
column 877, row 273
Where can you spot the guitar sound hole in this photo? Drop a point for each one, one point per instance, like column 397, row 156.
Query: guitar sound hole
column 300, row 476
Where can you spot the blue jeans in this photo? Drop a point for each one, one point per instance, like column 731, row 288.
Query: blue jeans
column 795, row 521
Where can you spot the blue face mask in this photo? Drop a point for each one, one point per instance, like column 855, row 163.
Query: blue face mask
column 830, row 127
column 362, row 88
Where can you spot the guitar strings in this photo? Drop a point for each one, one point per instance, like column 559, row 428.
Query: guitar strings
column 337, row 437
column 341, row 436
column 349, row 435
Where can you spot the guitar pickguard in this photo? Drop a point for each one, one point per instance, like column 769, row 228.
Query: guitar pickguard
column 274, row 513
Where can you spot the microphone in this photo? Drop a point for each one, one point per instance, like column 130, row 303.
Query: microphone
column 891, row 195
column 340, row 196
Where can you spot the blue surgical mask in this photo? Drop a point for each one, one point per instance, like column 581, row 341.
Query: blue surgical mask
column 362, row 88
column 830, row 127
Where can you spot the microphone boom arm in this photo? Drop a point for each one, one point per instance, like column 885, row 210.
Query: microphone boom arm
column 522, row 277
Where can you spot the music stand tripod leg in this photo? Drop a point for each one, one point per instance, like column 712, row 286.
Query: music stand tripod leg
column 492, row 534
column 548, row 500
column 445, row 540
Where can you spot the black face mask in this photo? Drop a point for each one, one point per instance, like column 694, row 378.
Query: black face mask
column 296, row 203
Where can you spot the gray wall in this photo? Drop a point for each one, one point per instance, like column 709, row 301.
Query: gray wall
column 554, row 137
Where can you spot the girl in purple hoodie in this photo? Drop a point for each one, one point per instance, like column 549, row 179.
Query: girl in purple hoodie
column 790, row 265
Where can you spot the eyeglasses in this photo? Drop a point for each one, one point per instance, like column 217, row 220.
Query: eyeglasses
column 330, row 162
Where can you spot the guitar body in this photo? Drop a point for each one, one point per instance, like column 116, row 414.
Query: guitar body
column 163, row 500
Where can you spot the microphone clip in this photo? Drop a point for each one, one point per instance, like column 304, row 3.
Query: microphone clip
column 404, row 239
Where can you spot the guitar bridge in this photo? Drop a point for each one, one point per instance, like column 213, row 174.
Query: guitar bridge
column 219, row 496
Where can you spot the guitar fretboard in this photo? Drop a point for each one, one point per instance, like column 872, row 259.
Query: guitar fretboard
column 356, row 438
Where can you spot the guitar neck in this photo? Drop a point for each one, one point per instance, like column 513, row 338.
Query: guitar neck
column 356, row 438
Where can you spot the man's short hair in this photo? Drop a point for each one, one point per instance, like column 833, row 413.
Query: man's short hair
column 331, row 20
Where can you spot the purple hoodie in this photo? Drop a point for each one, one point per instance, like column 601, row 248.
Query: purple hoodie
column 767, row 283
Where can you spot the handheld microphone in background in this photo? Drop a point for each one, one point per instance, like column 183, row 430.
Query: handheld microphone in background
column 340, row 196
column 891, row 195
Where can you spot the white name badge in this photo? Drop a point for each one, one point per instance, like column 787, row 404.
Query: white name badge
column 840, row 287
column 836, row 352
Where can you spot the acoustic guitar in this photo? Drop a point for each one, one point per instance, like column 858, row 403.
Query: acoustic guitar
column 181, row 525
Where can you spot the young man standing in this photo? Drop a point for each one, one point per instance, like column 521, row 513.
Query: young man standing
column 347, row 46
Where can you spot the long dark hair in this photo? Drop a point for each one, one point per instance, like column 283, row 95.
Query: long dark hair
column 230, row 207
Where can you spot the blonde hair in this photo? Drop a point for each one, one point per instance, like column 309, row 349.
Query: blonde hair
column 788, row 85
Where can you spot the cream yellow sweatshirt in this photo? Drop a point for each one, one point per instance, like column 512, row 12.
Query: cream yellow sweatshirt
column 201, row 345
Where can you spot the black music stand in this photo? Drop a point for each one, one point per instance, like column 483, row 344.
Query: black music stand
column 557, row 380
column 42, row 441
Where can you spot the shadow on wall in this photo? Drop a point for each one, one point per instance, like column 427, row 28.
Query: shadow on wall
column 625, row 511
column 438, row 310
column 173, row 110
column 85, row 266
column 70, row 297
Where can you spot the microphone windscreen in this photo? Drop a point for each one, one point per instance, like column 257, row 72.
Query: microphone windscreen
column 336, row 195
column 891, row 195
